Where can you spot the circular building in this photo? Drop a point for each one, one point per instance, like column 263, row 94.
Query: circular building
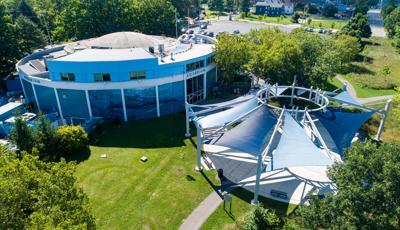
column 123, row 75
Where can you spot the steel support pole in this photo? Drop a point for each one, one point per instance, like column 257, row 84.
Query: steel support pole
column 382, row 123
column 199, row 144
column 255, row 201
column 187, row 134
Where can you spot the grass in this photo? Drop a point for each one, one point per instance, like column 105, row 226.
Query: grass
column 285, row 20
column 366, row 74
column 126, row 193
column 391, row 131
column 326, row 23
column 224, row 218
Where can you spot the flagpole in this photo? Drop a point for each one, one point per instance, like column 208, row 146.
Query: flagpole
column 176, row 25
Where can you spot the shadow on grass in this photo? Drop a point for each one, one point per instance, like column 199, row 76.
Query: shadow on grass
column 280, row 207
column 359, row 70
column 79, row 157
column 163, row 132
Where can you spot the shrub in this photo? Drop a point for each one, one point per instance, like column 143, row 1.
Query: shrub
column 72, row 140
column 261, row 218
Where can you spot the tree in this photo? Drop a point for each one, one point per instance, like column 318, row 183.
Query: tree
column 357, row 26
column 231, row 55
column 245, row 7
column 261, row 218
column 367, row 194
column 24, row 9
column 46, row 140
column 154, row 17
column 329, row 10
column 72, row 140
column 392, row 22
column 275, row 56
column 93, row 18
column 348, row 47
column 229, row 5
column 29, row 35
column 39, row 195
column 21, row 135
column 295, row 18
column 217, row 5
column 362, row 7
column 312, row 8
column 8, row 48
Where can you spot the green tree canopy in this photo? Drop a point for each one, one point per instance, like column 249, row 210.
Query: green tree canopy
column 21, row 135
column 30, row 36
column 245, row 6
column 46, row 140
column 217, row 5
column 312, row 8
column 357, row 26
column 9, row 43
column 392, row 22
column 231, row 55
column 275, row 56
column 38, row 195
column 367, row 197
column 329, row 10
column 261, row 218
column 72, row 140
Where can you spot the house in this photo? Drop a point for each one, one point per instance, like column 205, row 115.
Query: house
column 274, row 7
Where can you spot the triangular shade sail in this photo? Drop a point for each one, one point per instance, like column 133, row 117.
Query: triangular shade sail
column 295, row 148
column 219, row 119
column 343, row 126
column 345, row 97
column 250, row 136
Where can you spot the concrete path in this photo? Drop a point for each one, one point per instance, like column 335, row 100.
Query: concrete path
column 353, row 93
column 207, row 207
column 376, row 22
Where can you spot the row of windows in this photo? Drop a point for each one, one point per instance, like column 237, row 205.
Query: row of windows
column 194, row 66
column 101, row 77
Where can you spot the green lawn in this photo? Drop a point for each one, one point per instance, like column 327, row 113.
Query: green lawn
column 285, row 20
column 366, row 74
column 326, row 23
column 126, row 193
column 222, row 218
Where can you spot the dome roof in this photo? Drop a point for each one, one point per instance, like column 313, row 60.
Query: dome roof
column 124, row 40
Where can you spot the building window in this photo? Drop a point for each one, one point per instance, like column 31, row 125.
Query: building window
column 67, row 77
column 210, row 60
column 99, row 77
column 194, row 66
column 137, row 75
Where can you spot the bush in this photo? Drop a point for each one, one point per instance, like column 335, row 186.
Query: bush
column 261, row 218
column 72, row 140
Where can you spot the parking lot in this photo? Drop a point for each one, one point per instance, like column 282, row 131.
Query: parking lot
column 218, row 26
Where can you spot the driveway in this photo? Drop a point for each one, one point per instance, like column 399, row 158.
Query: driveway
column 376, row 22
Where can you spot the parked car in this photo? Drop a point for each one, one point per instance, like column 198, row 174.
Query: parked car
column 210, row 34
column 190, row 32
column 236, row 32
column 203, row 26
column 204, row 33
column 183, row 30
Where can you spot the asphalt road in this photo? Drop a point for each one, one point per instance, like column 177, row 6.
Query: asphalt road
column 376, row 22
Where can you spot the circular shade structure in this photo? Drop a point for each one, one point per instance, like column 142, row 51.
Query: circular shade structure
column 278, row 141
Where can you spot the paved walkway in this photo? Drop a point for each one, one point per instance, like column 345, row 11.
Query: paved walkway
column 207, row 207
column 353, row 93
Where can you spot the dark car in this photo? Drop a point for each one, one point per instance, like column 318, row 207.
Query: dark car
column 190, row 32
column 183, row 30
column 210, row 34
column 236, row 32
column 203, row 26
